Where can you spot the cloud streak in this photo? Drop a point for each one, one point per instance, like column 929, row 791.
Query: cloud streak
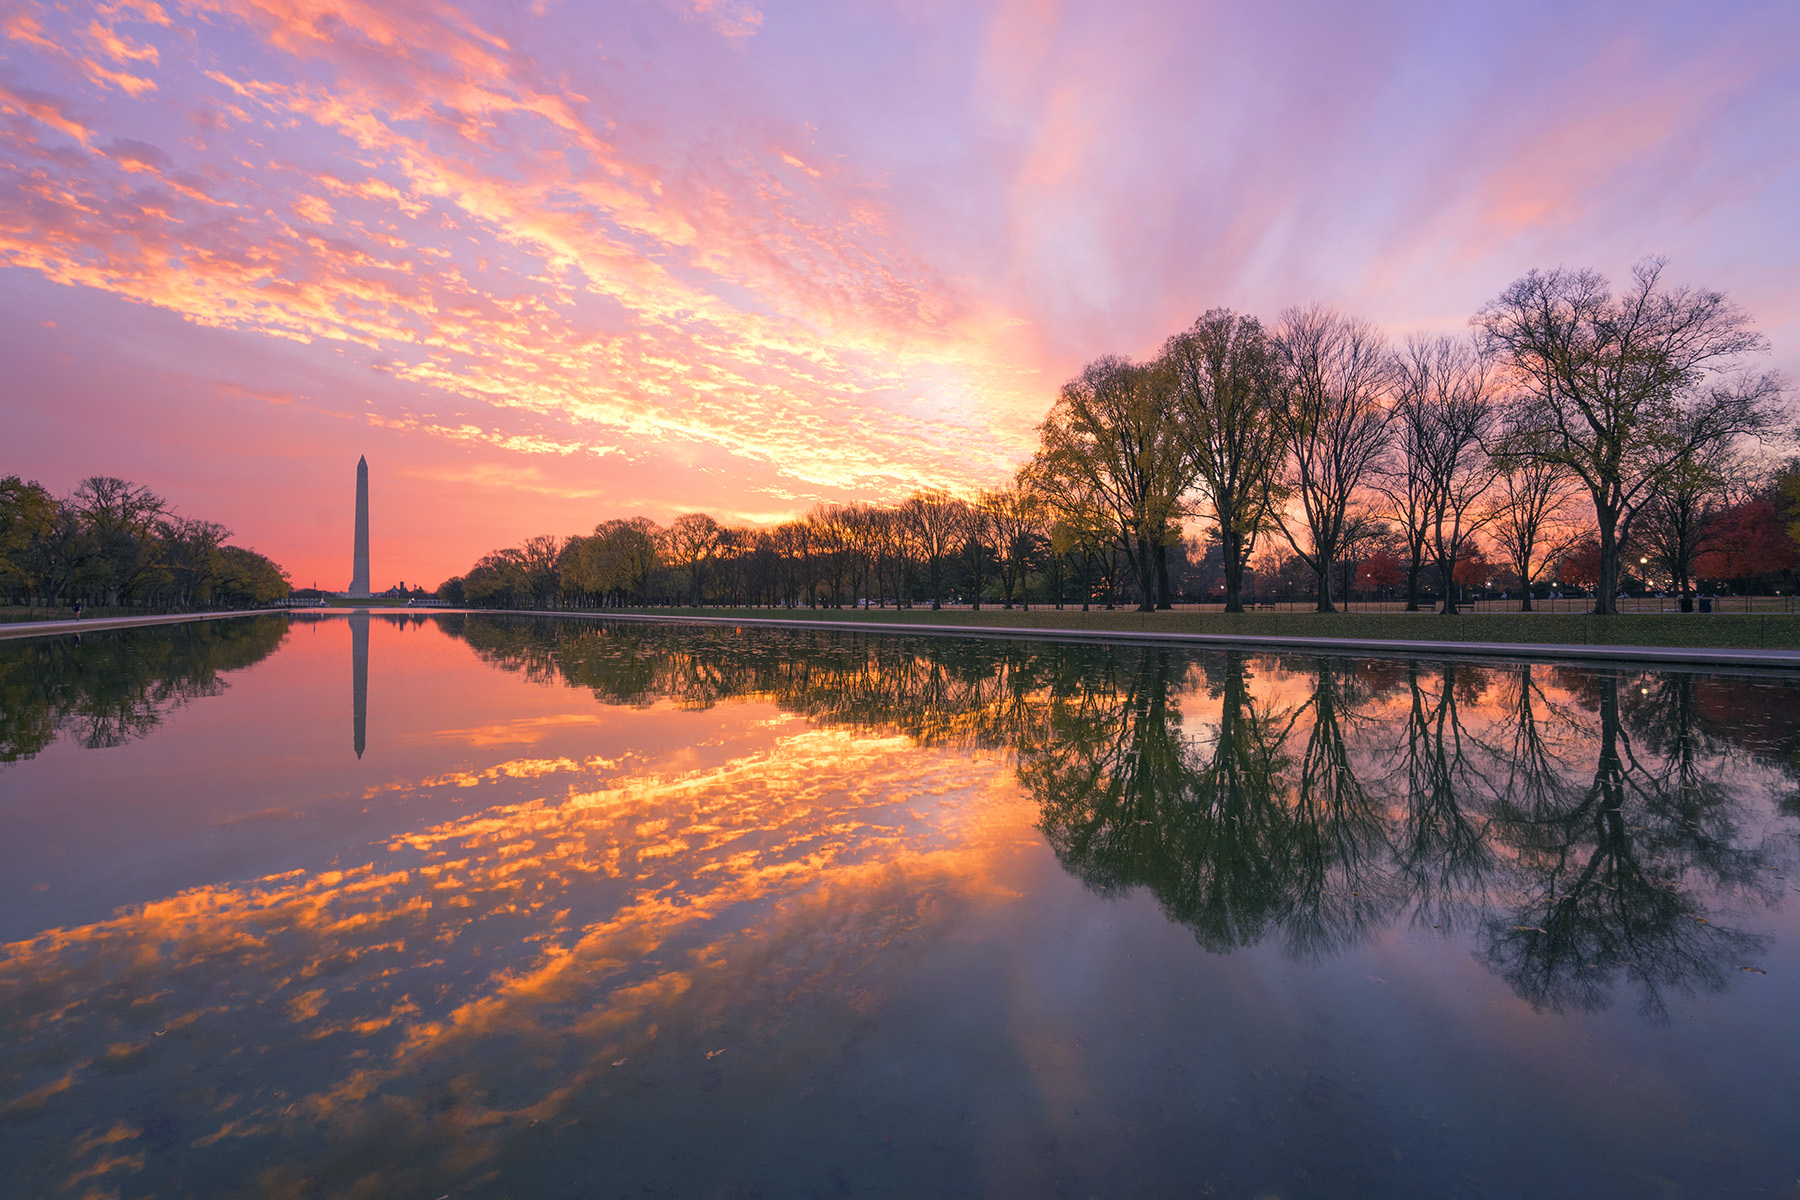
column 839, row 251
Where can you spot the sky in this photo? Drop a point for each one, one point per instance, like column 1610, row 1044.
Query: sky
column 548, row 263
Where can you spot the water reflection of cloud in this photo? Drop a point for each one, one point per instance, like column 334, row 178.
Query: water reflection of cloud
column 518, row 731
column 326, row 1000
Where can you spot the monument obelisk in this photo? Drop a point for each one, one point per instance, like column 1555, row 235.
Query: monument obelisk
column 359, row 579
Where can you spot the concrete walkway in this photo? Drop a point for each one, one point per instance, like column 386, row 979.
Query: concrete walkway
column 1706, row 657
column 25, row 629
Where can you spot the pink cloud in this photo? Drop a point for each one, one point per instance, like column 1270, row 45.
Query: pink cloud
column 840, row 251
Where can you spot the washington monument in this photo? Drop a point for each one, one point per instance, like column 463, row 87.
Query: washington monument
column 359, row 579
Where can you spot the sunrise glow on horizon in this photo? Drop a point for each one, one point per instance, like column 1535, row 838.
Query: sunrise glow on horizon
column 550, row 263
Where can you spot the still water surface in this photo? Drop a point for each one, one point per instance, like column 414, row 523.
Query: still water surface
column 478, row 906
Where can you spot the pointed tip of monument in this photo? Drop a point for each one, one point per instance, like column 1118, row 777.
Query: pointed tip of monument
column 362, row 460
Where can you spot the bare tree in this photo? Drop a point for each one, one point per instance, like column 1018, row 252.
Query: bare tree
column 693, row 542
column 538, row 558
column 1532, row 527
column 1334, row 425
column 833, row 538
column 1017, row 516
column 934, row 518
column 1405, row 483
column 1224, row 371
column 892, row 546
column 1618, row 389
column 975, row 534
column 1446, row 418
column 793, row 548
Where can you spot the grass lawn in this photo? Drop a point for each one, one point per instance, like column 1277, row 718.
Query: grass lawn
column 1737, row 631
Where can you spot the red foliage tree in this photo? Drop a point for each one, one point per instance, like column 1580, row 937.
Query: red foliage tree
column 1581, row 565
column 1380, row 570
column 1747, row 540
column 1474, row 570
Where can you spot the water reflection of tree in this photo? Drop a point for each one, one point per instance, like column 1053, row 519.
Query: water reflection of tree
column 1589, row 837
column 1443, row 858
column 105, row 689
column 1614, row 878
column 1340, row 872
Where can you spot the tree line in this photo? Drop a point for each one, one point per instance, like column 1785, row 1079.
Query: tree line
column 1570, row 431
column 115, row 543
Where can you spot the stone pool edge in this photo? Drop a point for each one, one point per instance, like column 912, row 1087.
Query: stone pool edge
column 1693, row 656
column 1777, row 660
column 25, row 629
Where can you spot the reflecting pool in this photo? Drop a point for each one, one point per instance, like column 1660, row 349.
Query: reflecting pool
column 364, row 906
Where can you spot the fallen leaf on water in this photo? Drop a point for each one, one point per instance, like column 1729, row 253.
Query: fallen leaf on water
column 1757, row 970
column 716, row 1053
column 1376, row 979
column 621, row 1062
column 1531, row 928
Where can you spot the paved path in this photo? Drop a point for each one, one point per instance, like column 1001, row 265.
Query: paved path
column 1783, row 660
column 25, row 629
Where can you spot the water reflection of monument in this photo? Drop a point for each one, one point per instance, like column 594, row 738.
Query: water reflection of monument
column 359, row 620
column 359, row 675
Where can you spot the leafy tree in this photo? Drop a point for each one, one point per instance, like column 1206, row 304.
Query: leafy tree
column 1114, row 436
column 1225, row 373
column 121, row 518
column 27, row 516
column 1747, row 540
column 1381, row 570
column 191, row 554
column 497, row 580
column 242, row 576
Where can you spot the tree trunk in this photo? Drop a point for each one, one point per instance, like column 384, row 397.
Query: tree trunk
column 1163, row 599
column 1231, row 559
column 1412, row 582
column 1142, row 569
column 1324, row 573
column 1606, row 603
